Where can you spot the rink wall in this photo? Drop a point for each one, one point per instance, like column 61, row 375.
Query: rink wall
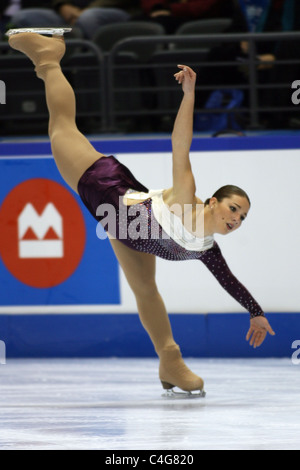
column 63, row 294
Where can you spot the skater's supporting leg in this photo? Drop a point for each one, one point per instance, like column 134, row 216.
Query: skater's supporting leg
column 139, row 269
column 73, row 153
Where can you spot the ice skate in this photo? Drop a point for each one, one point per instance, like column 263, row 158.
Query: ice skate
column 41, row 50
column 47, row 31
column 174, row 373
column 171, row 393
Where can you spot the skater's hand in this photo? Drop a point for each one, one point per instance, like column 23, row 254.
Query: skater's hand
column 258, row 331
column 187, row 78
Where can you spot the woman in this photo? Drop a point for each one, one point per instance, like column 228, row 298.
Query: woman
column 103, row 180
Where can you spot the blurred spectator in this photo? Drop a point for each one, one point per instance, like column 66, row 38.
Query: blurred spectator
column 90, row 16
column 269, row 16
column 34, row 14
column 275, row 16
column 7, row 9
column 226, row 52
column 173, row 13
column 86, row 15
column 255, row 12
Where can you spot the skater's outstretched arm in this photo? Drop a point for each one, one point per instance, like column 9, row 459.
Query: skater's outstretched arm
column 259, row 325
column 183, row 179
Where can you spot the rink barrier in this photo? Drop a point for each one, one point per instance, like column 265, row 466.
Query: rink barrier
column 211, row 335
column 108, row 146
column 79, row 334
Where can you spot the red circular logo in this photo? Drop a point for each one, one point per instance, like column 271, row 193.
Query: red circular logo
column 42, row 236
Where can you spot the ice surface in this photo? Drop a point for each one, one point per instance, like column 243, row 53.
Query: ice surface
column 116, row 404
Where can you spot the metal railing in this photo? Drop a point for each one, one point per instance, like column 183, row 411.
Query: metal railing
column 123, row 84
column 83, row 66
column 251, row 85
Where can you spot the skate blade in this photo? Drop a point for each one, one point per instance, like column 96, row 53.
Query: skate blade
column 49, row 31
column 183, row 395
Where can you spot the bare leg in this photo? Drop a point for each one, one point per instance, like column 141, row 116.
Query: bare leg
column 73, row 153
column 139, row 269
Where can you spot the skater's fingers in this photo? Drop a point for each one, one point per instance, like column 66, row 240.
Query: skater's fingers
column 187, row 71
column 178, row 75
column 186, row 68
column 249, row 334
column 259, row 339
column 271, row 331
column 254, row 337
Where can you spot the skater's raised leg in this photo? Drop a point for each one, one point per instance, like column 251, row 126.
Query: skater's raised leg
column 73, row 153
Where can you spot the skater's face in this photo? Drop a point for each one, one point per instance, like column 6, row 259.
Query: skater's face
column 229, row 214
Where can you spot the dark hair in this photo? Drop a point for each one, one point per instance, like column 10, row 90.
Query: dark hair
column 227, row 192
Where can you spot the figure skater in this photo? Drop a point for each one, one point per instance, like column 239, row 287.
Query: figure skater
column 100, row 179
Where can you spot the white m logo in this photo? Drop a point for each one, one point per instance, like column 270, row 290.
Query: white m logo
column 40, row 236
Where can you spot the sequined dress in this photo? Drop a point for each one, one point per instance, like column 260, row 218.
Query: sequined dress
column 102, row 189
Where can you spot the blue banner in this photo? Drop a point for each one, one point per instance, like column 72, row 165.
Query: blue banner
column 49, row 251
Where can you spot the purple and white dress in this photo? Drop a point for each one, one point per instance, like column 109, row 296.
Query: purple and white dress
column 150, row 227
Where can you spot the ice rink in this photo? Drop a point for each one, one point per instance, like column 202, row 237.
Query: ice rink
column 116, row 404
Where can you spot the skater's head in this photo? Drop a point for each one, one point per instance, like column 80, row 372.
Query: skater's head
column 227, row 209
